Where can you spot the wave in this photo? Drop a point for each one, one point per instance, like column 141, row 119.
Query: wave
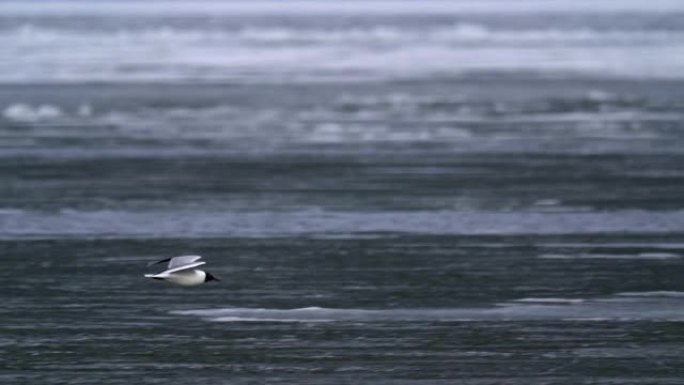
column 611, row 308
column 443, row 120
column 645, row 256
column 37, row 35
column 195, row 222
column 26, row 113
column 657, row 294
column 318, row 314
column 550, row 301
column 353, row 7
column 587, row 245
column 35, row 53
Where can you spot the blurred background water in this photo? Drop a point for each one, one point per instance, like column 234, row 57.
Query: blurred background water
column 392, row 192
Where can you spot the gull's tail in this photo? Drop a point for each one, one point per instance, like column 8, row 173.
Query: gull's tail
column 154, row 276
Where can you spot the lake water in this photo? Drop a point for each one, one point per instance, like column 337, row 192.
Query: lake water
column 392, row 193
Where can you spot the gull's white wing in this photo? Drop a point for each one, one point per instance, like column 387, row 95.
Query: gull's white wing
column 179, row 268
column 177, row 261
column 183, row 260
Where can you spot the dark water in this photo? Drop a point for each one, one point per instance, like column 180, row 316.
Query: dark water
column 428, row 228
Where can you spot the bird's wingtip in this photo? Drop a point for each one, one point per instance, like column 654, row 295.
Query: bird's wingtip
column 157, row 262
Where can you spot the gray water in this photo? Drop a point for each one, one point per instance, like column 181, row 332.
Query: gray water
column 405, row 197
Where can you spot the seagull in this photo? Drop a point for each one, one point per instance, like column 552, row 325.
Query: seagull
column 182, row 271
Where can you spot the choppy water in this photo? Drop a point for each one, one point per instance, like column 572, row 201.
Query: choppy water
column 390, row 195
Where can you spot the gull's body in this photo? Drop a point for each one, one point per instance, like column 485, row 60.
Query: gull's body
column 183, row 271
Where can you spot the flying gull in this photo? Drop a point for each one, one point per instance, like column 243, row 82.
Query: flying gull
column 183, row 271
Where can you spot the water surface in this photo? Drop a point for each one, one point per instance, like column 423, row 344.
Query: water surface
column 481, row 196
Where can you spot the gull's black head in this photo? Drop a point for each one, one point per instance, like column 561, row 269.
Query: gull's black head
column 210, row 277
